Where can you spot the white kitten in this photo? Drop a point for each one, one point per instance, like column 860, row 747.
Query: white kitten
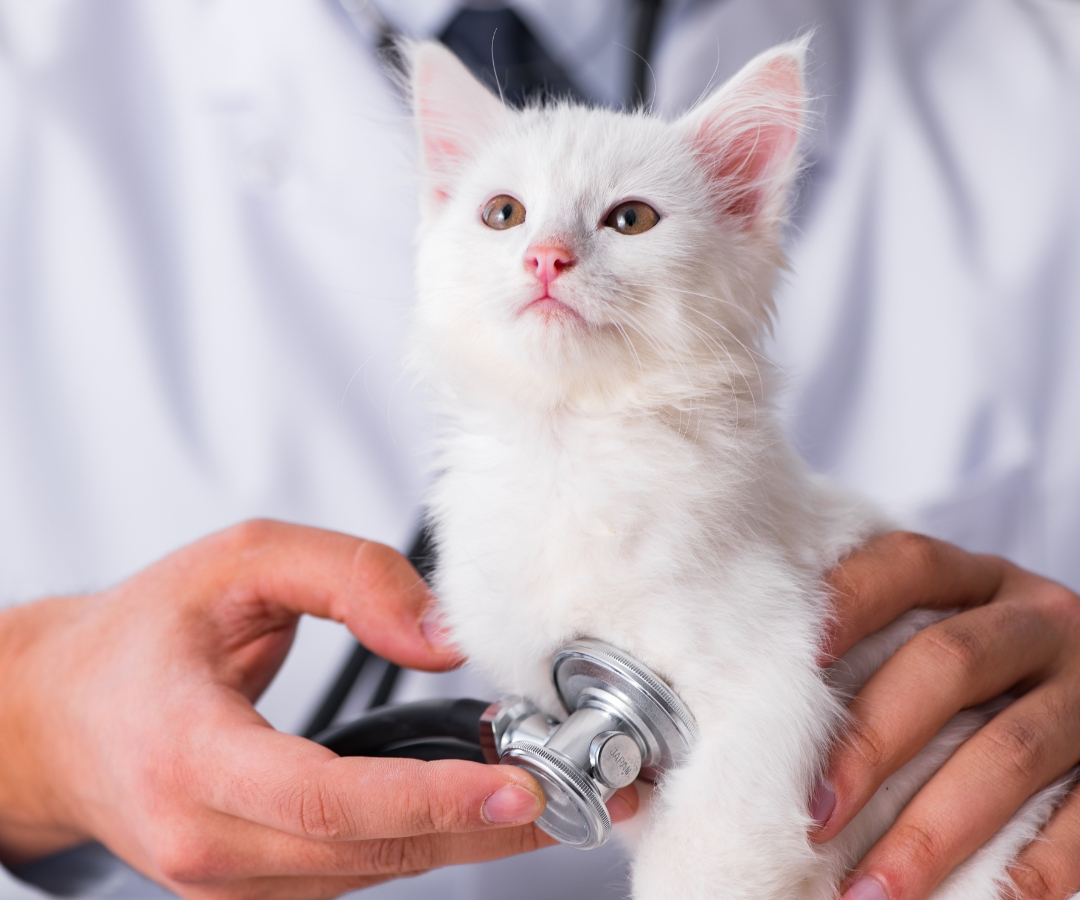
column 593, row 288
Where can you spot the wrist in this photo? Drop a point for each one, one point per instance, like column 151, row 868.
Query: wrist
column 32, row 823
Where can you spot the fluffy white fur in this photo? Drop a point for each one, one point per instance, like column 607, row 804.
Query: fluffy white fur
column 617, row 472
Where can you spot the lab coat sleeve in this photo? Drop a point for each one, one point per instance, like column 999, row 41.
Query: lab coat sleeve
column 89, row 870
column 12, row 888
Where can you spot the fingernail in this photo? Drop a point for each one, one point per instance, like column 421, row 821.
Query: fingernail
column 434, row 630
column 822, row 803
column 619, row 809
column 510, row 804
column 865, row 889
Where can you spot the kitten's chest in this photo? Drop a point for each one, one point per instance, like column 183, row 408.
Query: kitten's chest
column 547, row 536
column 624, row 535
column 555, row 500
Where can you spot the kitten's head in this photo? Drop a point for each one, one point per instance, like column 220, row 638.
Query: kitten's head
column 571, row 256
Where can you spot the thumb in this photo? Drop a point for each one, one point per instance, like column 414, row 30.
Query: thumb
column 298, row 787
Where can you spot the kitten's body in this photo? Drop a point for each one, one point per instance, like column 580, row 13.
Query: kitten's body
column 610, row 465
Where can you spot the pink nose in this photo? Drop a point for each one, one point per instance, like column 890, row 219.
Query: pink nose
column 547, row 262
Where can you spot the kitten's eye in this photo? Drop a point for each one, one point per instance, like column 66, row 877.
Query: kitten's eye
column 503, row 212
column 633, row 217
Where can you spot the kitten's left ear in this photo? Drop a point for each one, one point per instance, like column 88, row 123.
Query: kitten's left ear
column 745, row 135
column 455, row 114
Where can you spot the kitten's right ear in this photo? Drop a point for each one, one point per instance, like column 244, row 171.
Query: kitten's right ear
column 454, row 113
column 746, row 134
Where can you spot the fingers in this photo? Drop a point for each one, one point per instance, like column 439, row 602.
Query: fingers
column 1049, row 869
column 225, row 849
column 295, row 786
column 897, row 572
column 262, row 567
column 960, row 662
column 624, row 804
column 978, row 789
column 1028, row 635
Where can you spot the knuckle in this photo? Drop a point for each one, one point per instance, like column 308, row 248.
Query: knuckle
column 433, row 812
column 1032, row 884
column 379, row 566
column 1058, row 604
column 397, row 856
column 960, row 646
column 869, row 744
column 922, row 845
column 923, row 552
column 191, row 861
column 388, row 856
column 318, row 813
column 251, row 534
column 525, row 839
column 1062, row 710
column 381, row 557
column 1016, row 746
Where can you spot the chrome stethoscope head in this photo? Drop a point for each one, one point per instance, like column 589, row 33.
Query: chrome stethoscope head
column 625, row 723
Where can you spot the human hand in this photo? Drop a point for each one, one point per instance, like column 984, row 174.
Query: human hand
column 1021, row 632
column 127, row 717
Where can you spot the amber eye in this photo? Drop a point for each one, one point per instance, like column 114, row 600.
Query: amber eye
column 632, row 217
column 503, row 212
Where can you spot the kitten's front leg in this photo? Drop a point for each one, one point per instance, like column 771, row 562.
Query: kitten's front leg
column 716, row 831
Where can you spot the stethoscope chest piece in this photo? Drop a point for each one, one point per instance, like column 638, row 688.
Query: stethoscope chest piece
column 625, row 722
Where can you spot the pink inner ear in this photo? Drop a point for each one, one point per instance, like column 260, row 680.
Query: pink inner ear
column 751, row 138
column 453, row 113
column 440, row 143
column 443, row 152
column 439, row 149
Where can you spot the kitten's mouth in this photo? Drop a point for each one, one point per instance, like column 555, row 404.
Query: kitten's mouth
column 552, row 309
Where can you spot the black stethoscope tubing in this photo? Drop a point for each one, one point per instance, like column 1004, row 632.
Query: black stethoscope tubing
column 426, row 729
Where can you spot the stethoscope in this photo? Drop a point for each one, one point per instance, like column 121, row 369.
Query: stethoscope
column 623, row 721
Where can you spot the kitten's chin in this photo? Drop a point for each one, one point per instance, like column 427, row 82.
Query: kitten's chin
column 550, row 311
column 545, row 356
column 556, row 359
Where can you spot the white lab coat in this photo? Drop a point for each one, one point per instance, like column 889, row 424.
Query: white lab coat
column 205, row 272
